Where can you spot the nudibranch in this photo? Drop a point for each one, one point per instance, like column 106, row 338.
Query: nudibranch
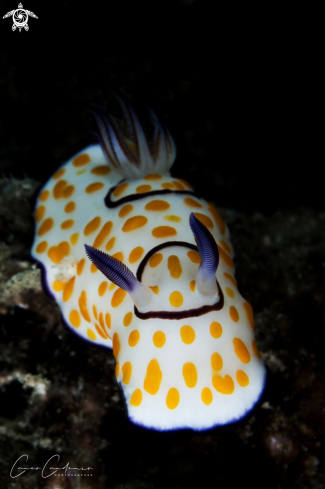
column 137, row 262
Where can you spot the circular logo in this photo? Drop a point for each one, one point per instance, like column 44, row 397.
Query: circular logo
column 20, row 18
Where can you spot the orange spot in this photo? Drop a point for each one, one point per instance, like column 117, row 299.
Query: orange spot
column 187, row 334
column 167, row 185
column 83, row 306
column 159, row 339
column 153, row 176
column 45, row 226
column 80, row 266
column 120, row 189
column 225, row 257
column 185, row 183
column 67, row 224
column 118, row 297
column 102, row 288
column 58, row 188
column 136, row 254
column 174, row 266
column 94, row 187
column 58, row 174
column 81, row 160
column 116, row 345
column 233, row 313
column 126, row 209
column 249, row 313
column 153, row 378
column 204, row 219
column 157, row 205
column 230, row 292
column 102, row 235
column 57, row 253
column 215, row 330
column 74, row 238
column 217, row 218
column 226, row 246
column 231, row 278
column 101, row 320
column 58, row 285
column 190, row 374
column 163, row 231
column 133, row 223
column 117, row 369
column 41, row 247
column 192, row 285
column 67, row 191
column 39, row 214
column 91, row 335
column 68, row 289
column 110, row 244
column 242, row 378
column 224, row 385
column 95, row 312
column 241, row 350
column 44, row 195
column 178, row 185
column 192, row 203
column 136, row 398
column 154, row 288
column 70, row 207
column 93, row 268
column 143, row 189
column 155, row 259
column 75, row 318
column 256, row 350
column 134, row 337
column 108, row 320
column 176, row 299
column 127, row 319
column 101, row 170
column 92, row 225
column 127, row 372
column 112, row 286
column 216, row 361
column 173, row 218
column 194, row 256
column 101, row 332
column 172, row 399
column 206, row 396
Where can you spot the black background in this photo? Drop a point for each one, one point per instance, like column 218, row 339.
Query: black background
column 236, row 84
column 238, row 87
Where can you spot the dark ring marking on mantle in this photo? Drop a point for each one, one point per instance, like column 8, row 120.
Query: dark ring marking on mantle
column 175, row 314
column 130, row 198
column 159, row 247
column 189, row 313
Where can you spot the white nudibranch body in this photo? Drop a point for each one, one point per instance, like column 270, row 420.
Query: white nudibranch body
column 182, row 334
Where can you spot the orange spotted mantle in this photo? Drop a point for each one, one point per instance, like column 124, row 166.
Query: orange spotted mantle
column 196, row 372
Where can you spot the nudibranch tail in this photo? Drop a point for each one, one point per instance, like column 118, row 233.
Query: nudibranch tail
column 208, row 249
column 141, row 155
column 120, row 275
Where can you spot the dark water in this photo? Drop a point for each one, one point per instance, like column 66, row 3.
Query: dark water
column 237, row 88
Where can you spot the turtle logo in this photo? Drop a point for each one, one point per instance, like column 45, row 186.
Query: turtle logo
column 20, row 18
